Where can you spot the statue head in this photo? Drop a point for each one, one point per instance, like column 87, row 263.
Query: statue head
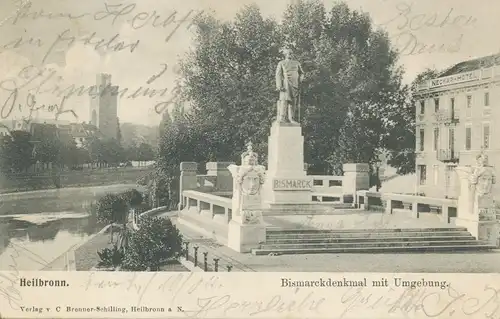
column 288, row 53
column 249, row 157
column 482, row 159
column 251, row 183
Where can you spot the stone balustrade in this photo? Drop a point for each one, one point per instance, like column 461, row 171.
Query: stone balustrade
column 327, row 188
column 211, row 206
column 416, row 206
column 217, row 180
column 368, row 200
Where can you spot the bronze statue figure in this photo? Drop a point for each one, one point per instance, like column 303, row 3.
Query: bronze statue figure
column 289, row 76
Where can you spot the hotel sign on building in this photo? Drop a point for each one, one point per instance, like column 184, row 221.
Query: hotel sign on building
column 454, row 79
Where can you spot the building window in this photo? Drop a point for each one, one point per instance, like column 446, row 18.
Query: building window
column 435, row 169
column 436, row 139
column 469, row 101
column 451, row 139
column 468, row 138
column 422, row 139
column 452, row 107
column 422, row 174
column 486, row 98
column 422, row 107
column 486, row 135
column 436, row 105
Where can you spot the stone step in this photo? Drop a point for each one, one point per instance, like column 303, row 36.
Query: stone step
column 369, row 244
column 357, row 250
column 312, row 208
column 271, row 231
column 307, row 236
column 365, row 239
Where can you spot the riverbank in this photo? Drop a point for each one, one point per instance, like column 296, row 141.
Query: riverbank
column 72, row 179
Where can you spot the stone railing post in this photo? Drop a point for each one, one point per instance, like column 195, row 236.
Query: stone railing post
column 476, row 207
column 247, row 230
column 356, row 177
column 187, row 180
column 224, row 180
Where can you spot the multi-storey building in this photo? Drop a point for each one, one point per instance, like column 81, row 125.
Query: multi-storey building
column 456, row 114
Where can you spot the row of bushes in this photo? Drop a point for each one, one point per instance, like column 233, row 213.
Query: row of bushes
column 155, row 243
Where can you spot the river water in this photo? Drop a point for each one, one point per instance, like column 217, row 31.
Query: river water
column 38, row 227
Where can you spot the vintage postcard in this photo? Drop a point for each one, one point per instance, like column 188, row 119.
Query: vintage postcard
column 249, row 159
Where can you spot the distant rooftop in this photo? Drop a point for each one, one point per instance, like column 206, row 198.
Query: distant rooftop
column 471, row 65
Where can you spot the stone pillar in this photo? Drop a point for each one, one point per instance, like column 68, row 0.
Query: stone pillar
column 476, row 212
column 187, row 180
column 224, row 180
column 247, row 230
column 356, row 177
column 464, row 203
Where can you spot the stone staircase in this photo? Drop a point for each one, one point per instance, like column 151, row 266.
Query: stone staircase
column 411, row 240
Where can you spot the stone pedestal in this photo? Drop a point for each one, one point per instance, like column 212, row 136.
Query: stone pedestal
column 247, row 230
column 287, row 181
column 245, row 237
column 476, row 209
column 224, row 180
column 187, row 180
column 356, row 177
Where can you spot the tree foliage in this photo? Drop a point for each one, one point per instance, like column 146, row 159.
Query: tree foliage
column 400, row 139
column 350, row 68
column 17, row 152
column 156, row 241
column 132, row 197
column 112, row 208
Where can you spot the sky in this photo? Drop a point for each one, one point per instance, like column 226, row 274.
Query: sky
column 46, row 49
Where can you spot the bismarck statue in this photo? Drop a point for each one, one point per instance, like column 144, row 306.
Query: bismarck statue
column 289, row 76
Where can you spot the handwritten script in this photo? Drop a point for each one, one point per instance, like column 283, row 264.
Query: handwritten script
column 409, row 23
column 110, row 14
column 300, row 302
column 43, row 80
column 430, row 302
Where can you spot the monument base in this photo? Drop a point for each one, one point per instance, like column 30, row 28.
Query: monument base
column 487, row 231
column 286, row 179
column 244, row 237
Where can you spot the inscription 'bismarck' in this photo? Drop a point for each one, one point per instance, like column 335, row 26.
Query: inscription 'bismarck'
column 292, row 184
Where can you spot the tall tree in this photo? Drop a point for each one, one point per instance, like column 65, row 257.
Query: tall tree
column 165, row 122
column 400, row 139
column 349, row 67
column 118, row 131
column 17, row 152
column 229, row 79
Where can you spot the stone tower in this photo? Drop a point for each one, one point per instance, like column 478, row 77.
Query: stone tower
column 104, row 106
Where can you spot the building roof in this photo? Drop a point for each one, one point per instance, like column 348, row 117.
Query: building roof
column 471, row 65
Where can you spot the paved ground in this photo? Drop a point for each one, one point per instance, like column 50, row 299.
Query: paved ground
column 462, row 262
column 86, row 255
